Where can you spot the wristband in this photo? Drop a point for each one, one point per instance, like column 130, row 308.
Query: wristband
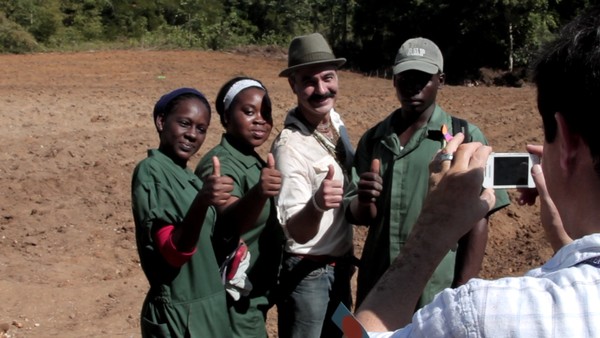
column 164, row 242
column 314, row 202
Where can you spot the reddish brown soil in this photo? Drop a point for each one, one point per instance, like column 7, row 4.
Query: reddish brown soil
column 74, row 127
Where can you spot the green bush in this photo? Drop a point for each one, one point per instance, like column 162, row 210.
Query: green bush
column 15, row 39
column 171, row 37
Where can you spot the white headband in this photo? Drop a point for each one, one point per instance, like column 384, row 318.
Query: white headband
column 237, row 88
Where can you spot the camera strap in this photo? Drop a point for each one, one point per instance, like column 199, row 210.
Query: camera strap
column 460, row 126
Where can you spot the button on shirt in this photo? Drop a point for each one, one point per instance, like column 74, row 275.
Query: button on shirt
column 303, row 163
column 559, row 299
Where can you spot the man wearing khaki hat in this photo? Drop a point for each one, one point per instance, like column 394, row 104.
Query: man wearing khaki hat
column 404, row 144
column 313, row 154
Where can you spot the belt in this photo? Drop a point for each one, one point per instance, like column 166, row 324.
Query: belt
column 321, row 259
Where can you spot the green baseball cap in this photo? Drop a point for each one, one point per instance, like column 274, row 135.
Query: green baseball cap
column 419, row 54
column 309, row 50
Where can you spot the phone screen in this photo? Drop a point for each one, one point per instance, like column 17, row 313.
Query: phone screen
column 511, row 170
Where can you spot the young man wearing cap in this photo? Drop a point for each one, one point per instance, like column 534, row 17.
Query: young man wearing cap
column 313, row 154
column 404, row 144
column 558, row 299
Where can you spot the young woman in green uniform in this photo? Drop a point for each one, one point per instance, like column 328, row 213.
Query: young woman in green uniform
column 173, row 221
column 244, row 108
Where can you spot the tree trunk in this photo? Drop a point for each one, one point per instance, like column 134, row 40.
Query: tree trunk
column 510, row 47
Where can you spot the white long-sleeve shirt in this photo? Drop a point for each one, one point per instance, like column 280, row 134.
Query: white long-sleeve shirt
column 559, row 299
column 303, row 163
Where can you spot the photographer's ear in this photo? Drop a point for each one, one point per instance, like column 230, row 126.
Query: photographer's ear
column 569, row 143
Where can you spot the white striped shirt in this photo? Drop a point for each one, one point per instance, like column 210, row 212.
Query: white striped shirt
column 559, row 299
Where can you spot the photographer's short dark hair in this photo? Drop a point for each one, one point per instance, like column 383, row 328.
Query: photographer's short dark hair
column 567, row 76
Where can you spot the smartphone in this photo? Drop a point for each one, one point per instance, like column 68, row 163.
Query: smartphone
column 509, row 170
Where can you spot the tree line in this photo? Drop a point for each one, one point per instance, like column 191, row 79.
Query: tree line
column 497, row 34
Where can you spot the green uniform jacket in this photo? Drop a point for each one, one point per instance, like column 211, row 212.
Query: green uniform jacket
column 182, row 302
column 265, row 240
column 405, row 173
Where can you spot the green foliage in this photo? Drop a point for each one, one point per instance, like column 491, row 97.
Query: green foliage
column 332, row 18
column 471, row 33
column 169, row 37
column 130, row 19
column 15, row 39
column 83, row 19
column 40, row 18
column 232, row 31
column 272, row 37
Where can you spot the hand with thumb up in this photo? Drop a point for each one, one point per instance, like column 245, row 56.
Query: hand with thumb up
column 370, row 184
column 330, row 193
column 270, row 179
column 217, row 189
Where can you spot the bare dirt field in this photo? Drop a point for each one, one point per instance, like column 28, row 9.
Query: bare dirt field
column 76, row 124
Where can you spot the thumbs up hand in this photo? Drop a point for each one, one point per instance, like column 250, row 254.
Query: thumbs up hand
column 217, row 189
column 370, row 184
column 330, row 193
column 216, row 166
column 270, row 179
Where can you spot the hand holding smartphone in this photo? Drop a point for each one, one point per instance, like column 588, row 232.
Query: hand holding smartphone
column 509, row 170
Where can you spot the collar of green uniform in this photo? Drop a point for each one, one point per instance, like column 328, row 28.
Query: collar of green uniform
column 164, row 159
column 437, row 119
column 248, row 160
column 182, row 175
